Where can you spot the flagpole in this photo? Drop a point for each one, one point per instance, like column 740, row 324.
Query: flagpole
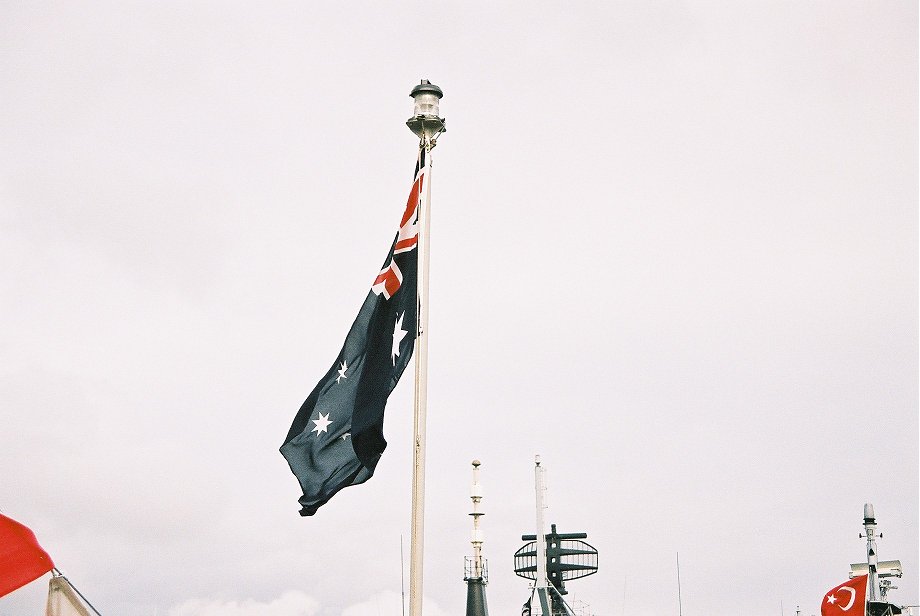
column 427, row 126
column 417, row 541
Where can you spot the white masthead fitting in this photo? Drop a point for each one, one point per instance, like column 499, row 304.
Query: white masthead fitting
column 426, row 122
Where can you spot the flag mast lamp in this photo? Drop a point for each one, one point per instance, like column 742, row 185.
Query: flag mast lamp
column 426, row 125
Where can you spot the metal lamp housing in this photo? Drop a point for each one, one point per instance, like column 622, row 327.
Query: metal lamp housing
column 426, row 123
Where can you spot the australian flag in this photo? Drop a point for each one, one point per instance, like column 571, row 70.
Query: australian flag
column 337, row 436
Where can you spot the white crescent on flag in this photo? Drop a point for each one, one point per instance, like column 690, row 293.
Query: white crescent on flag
column 852, row 600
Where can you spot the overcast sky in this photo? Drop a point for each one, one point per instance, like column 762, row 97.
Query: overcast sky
column 674, row 251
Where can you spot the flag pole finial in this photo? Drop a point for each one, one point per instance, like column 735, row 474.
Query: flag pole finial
column 425, row 121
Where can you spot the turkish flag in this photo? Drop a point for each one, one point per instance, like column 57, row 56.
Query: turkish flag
column 21, row 558
column 848, row 599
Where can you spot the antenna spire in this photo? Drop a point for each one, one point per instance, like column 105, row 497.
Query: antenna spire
column 475, row 570
column 476, row 497
column 871, row 552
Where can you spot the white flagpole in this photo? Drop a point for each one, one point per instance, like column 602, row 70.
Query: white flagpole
column 417, row 544
column 427, row 125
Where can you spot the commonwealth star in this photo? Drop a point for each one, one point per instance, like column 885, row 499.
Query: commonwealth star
column 322, row 424
column 398, row 334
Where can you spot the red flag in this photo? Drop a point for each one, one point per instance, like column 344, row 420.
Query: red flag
column 21, row 558
column 848, row 599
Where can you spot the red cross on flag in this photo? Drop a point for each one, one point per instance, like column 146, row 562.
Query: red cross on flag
column 848, row 599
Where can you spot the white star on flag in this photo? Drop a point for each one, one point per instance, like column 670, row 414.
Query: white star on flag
column 342, row 368
column 398, row 334
column 346, row 435
column 322, row 424
column 831, row 599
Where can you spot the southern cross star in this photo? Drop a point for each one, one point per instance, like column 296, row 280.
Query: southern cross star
column 398, row 334
column 342, row 368
column 322, row 424
column 346, row 435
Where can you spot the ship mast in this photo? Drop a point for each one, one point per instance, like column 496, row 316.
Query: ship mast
column 540, row 583
column 552, row 558
column 878, row 572
column 476, row 574
column 871, row 553
column 476, row 497
column 426, row 124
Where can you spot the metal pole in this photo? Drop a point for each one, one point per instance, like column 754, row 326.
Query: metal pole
column 871, row 553
column 541, row 582
column 680, row 607
column 540, row 486
column 417, row 543
column 476, row 497
column 623, row 610
column 402, row 577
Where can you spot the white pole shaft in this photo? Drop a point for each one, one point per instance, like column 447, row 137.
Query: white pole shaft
column 680, row 606
column 872, row 560
column 540, row 486
column 417, row 544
